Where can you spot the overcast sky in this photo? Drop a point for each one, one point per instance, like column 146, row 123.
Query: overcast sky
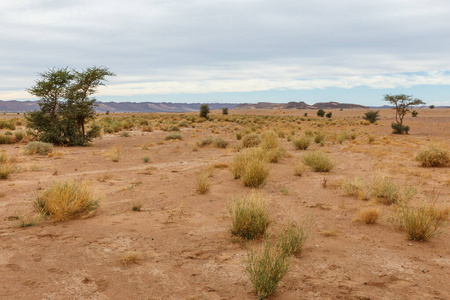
column 233, row 50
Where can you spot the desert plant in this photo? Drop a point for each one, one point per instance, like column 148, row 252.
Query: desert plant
column 266, row 268
column 302, row 143
column 342, row 137
column 146, row 159
column 293, row 237
column 6, row 169
column 63, row 201
column 204, row 111
column 249, row 216
column 403, row 129
column 299, row 168
column 320, row 113
column 319, row 137
column 115, row 153
column 368, row 215
column 354, row 187
column 130, row 257
column 414, row 113
column 251, row 140
column 387, row 192
column 174, row 136
column 40, row 148
column 272, row 147
column 434, row 156
column 372, row 116
column 202, row 181
column 329, row 115
column 224, row 111
column 402, row 105
column 318, row 161
column 255, row 172
column 19, row 135
column 419, row 223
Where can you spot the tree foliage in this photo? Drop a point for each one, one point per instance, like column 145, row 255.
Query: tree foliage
column 321, row 113
column 402, row 104
column 204, row 111
column 372, row 116
column 66, row 105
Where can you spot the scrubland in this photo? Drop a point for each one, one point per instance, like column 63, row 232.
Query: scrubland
column 174, row 206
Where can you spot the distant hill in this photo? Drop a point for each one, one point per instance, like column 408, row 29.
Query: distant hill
column 297, row 105
column 24, row 106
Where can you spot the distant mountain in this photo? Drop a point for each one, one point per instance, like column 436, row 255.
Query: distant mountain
column 297, row 105
column 24, row 106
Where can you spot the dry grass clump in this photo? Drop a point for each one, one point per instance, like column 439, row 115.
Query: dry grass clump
column 302, row 143
column 202, row 180
column 342, row 137
column 249, row 216
column 387, row 192
column 355, row 188
column 251, row 140
column 368, row 215
column 293, row 237
column 7, row 167
column 319, row 137
column 250, row 166
column 115, row 153
column 272, row 147
column 434, row 156
column 130, row 258
column 67, row 200
column 174, row 136
column 420, row 223
column 318, row 161
column 299, row 168
column 38, row 148
column 216, row 142
column 266, row 267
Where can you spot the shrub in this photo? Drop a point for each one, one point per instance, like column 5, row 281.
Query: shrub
column 342, row 137
column 299, row 168
column 329, row 115
column 318, row 161
column 19, row 135
column 354, row 187
column 399, row 129
column 217, row 142
column 293, row 237
column 387, row 192
column 6, row 169
column 174, row 129
column 63, row 201
column 414, row 113
column 319, row 137
column 434, row 156
column 249, row 216
column 130, row 258
column 224, row 111
column 174, row 136
column 6, row 139
column 420, row 223
column 115, row 153
column 38, row 148
column 251, row 140
column 202, row 181
column 124, row 134
column 372, row 116
column 368, row 215
column 272, row 147
column 302, row 143
column 220, row 143
column 320, row 113
column 204, row 111
column 254, row 173
column 266, row 268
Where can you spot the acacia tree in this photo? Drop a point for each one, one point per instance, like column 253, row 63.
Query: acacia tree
column 65, row 104
column 402, row 104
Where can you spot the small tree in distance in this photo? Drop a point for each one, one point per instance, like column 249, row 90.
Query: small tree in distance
column 204, row 111
column 371, row 116
column 402, row 104
column 329, row 115
column 225, row 111
column 321, row 113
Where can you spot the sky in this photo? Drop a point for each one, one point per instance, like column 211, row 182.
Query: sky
column 233, row 51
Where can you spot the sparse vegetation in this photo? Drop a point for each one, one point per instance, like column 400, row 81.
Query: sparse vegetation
column 251, row 140
column 293, row 237
column 402, row 104
column 40, row 148
column 302, row 143
column 174, row 136
column 372, row 116
column 67, row 200
column 115, row 153
column 369, row 215
column 434, row 156
column 249, row 216
column 318, row 161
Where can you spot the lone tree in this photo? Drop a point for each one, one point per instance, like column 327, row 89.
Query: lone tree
column 402, row 103
column 66, row 105
column 204, row 111
column 321, row 113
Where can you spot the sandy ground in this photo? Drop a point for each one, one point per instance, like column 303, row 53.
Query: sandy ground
column 187, row 250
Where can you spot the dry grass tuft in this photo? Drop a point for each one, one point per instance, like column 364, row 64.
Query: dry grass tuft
column 115, row 153
column 293, row 237
column 434, row 156
column 250, row 166
column 40, row 148
column 318, row 161
column 250, row 216
column 368, row 215
column 251, row 140
column 67, row 200
column 302, row 143
column 299, row 168
column 130, row 258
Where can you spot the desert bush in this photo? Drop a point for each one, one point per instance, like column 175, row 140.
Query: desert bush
column 387, row 192
column 414, row 113
column 272, row 147
column 40, row 148
column 202, row 181
column 342, row 137
column 241, row 160
column 19, row 135
column 368, row 215
column 251, row 140
column 174, row 136
column 238, row 135
column 329, row 115
column 318, row 161
column 174, row 129
column 6, row 169
column 419, row 223
column 354, row 187
column 299, row 168
column 130, row 257
column 6, row 139
column 319, row 137
column 255, row 172
column 224, row 111
column 204, row 111
column 403, row 129
column 63, row 201
column 115, row 153
column 124, row 134
column 302, row 143
column 434, row 156
column 217, row 142
column 266, row 268
column 320, row 113
column 249, row 216
column 372, row 116
column 293, row 237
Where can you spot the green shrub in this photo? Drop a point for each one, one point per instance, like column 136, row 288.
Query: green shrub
column 372, row 116
column 249, row 216
column 318, row 161
column 434, row 156
column 320, row 113
column 19, row 135
column 266, row 268
column 40, row 148
column 399, row 130
column 302, row 143
column 63, row 201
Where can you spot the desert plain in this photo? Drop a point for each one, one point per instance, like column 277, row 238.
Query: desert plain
column 155, row 236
